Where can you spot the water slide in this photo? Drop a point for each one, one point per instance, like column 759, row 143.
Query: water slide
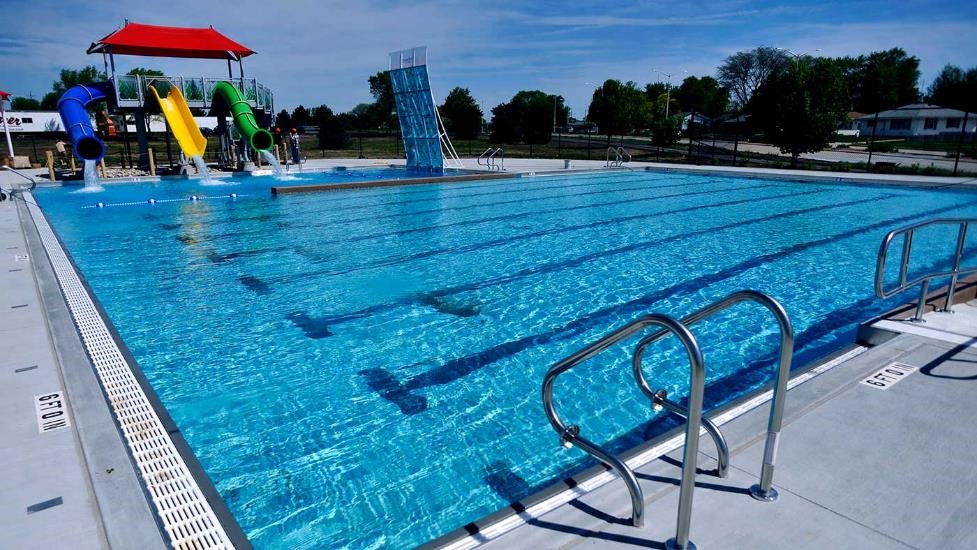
column 77, row 122
column 259, row 139
column 182, row 125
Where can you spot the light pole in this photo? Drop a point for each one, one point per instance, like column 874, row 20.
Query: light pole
column 797, row 56
column 668, row 88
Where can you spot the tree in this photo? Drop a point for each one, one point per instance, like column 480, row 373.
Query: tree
column 301, row 116
column 665, row 131
column 526, row 118
column 882, row 80
column 332, row 132
column 283, row 120
column 703, row 95
column 800, row 108
column 658, row 93
column 384, row 111
column 461, row 115
column 955, row 88
column 619, row 108
column 743, row 72
column 140, row 71
column 67, row 79
column 24, row 104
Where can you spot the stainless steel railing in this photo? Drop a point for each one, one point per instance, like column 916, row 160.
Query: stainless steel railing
column 32, row 181
column 763, row 490
column 904, row 282
column 489, row 156
column 570, row 434
column 620, row 157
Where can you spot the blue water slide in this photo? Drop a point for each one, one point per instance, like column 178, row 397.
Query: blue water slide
column 76, row 121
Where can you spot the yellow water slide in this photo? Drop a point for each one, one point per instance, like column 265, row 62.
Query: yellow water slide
column 181, row 122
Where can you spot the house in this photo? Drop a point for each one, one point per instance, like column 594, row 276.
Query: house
column 851, row 126
column 921, row 121
column 700, row 120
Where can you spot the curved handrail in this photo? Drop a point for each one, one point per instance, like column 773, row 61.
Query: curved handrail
column 617, row 157
column 483, row 155
column 570, row 435
column 764, row 490
column 23, row 175
column 904, row 282
column 621, row 153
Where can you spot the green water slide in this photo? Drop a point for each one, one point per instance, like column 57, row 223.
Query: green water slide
column 243, row 116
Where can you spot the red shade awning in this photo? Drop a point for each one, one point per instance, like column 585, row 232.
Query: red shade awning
column 4, row 95
column 158, row 41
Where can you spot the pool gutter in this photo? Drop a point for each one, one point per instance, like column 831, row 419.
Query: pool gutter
column 282, row 190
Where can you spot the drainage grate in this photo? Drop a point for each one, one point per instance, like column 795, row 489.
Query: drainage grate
column 187, row 517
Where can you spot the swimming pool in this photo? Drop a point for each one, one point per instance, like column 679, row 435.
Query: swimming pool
column 363, row 368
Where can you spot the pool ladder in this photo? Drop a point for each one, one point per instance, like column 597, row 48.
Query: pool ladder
column 620, row 157
column 490, row 156
column 954, row 274
column 665, row 325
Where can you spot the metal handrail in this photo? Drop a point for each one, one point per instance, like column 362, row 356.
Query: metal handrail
column 570, row 435
column 622, row 154
column 764, row 490
column 617, row 157
column 23, row 175
column 904, row 282
column 484, row 155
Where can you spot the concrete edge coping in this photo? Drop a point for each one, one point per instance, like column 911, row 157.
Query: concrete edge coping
column 68, row 346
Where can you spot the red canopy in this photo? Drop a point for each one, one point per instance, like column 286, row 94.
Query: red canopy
column 157, row 41
column 4, row 95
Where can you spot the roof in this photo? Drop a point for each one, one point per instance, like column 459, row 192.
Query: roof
column 916, row 110
column 159, row 41
column 4, row 95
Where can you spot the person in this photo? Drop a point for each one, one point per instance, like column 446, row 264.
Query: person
column 293, row 144
column 62, row 153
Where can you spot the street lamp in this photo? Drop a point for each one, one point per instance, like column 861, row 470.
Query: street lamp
column 797, row 56
column 668, row 88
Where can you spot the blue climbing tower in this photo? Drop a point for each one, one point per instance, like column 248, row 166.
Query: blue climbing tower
column 420, row 124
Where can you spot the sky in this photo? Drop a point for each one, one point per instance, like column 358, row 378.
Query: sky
column 315, row 53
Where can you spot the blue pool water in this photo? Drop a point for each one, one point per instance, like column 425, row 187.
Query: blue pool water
column 363, row 368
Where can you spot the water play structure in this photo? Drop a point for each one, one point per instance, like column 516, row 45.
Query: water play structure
column 245, row 101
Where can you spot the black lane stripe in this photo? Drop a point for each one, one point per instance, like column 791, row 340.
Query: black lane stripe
column 400, row 393
column 332, row 223
column 552, row 267
column 397, row 260
column 560, row 210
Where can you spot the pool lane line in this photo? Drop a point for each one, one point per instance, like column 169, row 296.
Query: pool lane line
column 475, row 221
column 552, row 267
column 163, row 201
column 400, row 393
column 332, row 222
column 345, row 186
column 508, row 239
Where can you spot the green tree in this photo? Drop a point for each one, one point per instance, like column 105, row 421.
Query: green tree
column 461, row 114
column 658, row 93
column 665, row 131
column 332, row 132
column 800, row 108
column 955, row 88
column 67, row 79
column 140, row 71
column 743, row 72
column 283, row 120
column 882, row 80
column 24, row 104
column 618, row 108
column 384, row 111
column 703, row 95
column 526, row 118
column 301, row 116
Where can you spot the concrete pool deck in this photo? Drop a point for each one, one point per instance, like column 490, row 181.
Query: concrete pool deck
column 78, row 483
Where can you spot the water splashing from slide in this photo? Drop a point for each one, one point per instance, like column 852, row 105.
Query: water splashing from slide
column 276, row 167
column 198, row 161
column 93, row 183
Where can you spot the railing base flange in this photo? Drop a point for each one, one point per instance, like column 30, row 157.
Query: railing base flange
column 670, row 544
column 770, row 496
